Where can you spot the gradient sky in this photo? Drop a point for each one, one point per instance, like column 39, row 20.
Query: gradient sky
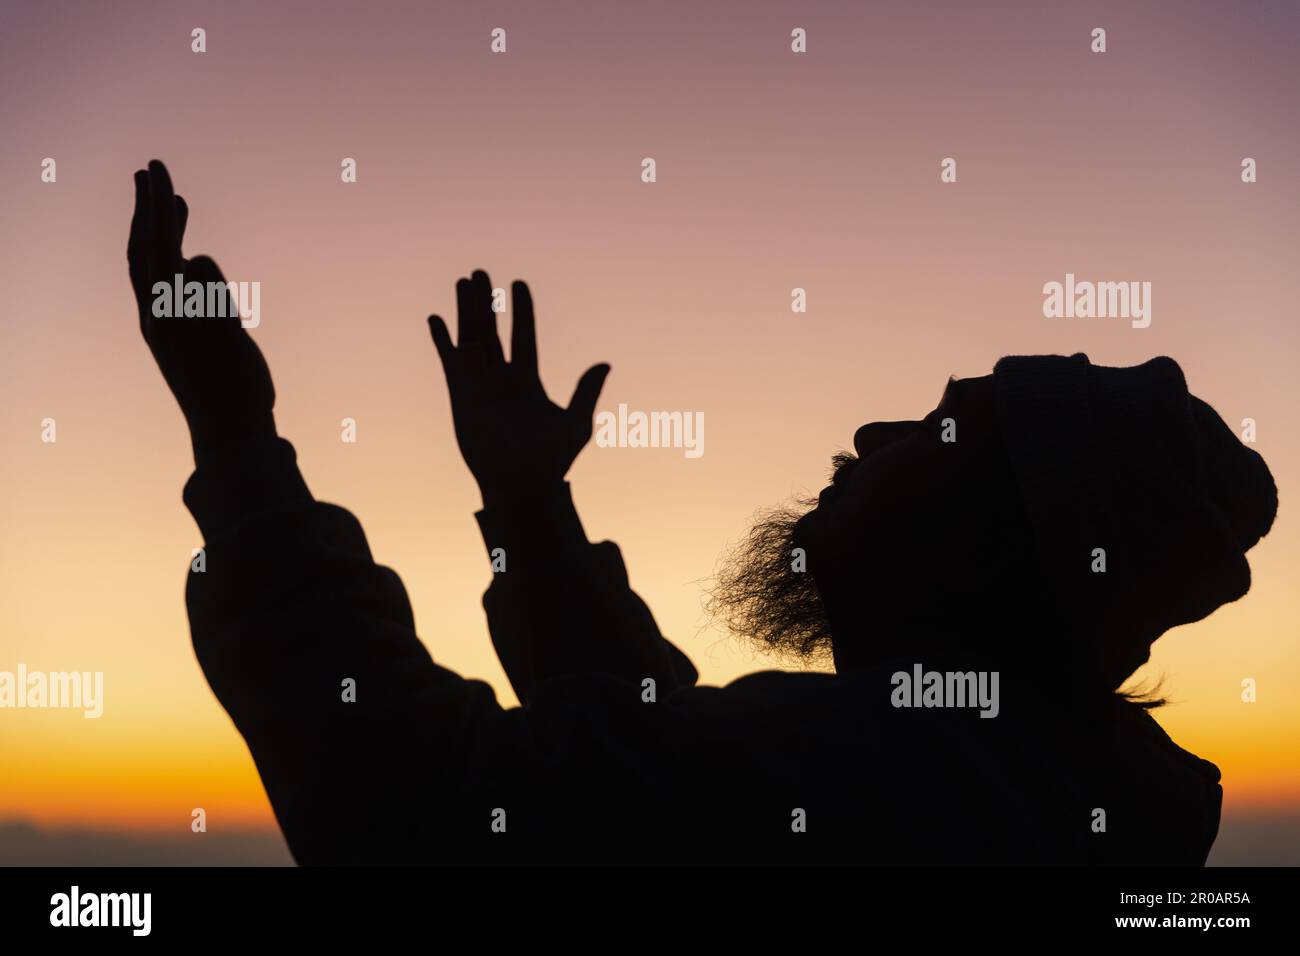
column 775, row 171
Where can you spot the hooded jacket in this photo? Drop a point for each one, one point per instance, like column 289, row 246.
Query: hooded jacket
column 426, row 767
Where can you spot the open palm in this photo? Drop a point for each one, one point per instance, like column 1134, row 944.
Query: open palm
column 511, row 435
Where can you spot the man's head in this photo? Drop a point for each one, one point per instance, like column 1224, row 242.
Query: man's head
column 920, row 533
column 1054, row 511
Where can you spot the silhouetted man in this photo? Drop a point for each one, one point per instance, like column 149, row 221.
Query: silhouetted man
column 984, row 579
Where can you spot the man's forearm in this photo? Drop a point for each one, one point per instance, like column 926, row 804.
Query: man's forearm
column 560, row 605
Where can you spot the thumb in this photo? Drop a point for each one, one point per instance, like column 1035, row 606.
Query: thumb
column 442, row 341
column 583, row 404
column 203, row 270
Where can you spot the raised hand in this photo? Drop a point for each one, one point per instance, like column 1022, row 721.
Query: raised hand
column 211, row 364
column 513, row 437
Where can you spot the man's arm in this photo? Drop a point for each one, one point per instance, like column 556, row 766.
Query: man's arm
column 372, row 753
column 562, row 605
column 369, row 751
column 308, row 644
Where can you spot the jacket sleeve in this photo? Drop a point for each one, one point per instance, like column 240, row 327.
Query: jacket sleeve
column 310, row 646
column 559, row 605
column 369, row 751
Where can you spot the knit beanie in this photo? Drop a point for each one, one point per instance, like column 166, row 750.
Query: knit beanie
column 1142, row 501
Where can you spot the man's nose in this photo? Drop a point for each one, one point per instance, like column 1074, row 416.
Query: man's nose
column 876, row 435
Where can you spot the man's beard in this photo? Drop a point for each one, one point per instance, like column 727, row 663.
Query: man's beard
column 760, row 598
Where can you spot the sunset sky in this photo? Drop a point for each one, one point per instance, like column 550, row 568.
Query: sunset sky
column 775, row 170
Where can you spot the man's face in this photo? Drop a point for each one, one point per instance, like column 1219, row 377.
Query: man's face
column 914, row 527
column 881, row 507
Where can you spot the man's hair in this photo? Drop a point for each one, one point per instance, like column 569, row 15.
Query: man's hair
column 760, row 598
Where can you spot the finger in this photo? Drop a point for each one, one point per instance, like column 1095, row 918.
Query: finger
column 204, row 269
column 583, row 404
column 182, row 219
column 464, row 311
column 523, row 331
column 485, row 319
column 165, row 246
column 137, row 243
column 442, row 342
column 476, row 323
